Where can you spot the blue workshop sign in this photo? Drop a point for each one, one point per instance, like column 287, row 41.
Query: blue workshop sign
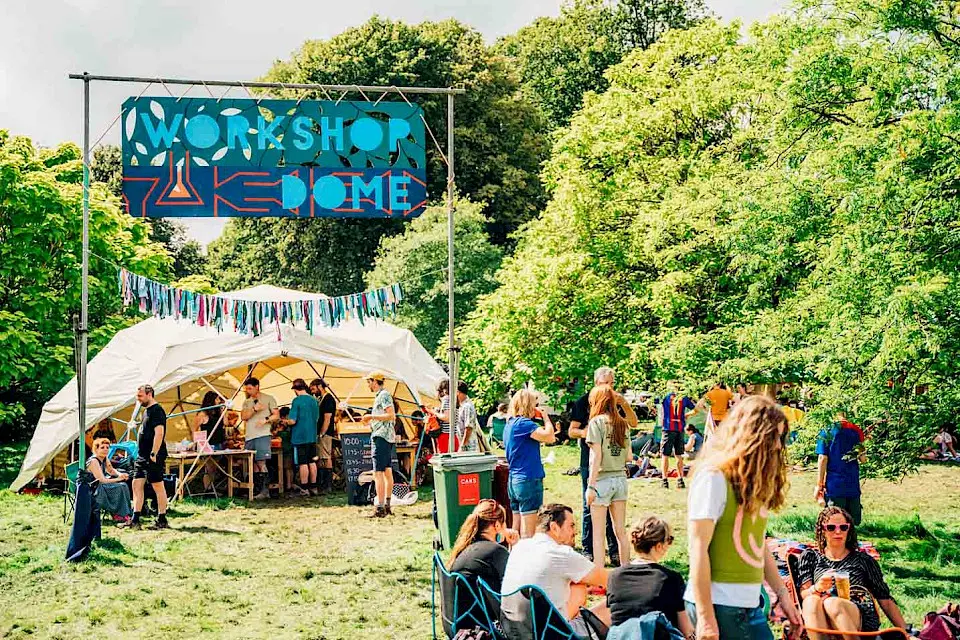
column 283, row 158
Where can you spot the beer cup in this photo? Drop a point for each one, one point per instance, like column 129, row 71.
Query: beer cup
column 842, row 581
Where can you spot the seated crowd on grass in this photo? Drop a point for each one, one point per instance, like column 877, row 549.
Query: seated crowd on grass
column 740, row 477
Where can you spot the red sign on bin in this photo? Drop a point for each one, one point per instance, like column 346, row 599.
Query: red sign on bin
column 468, row 489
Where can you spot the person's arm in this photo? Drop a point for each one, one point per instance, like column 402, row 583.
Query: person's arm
column 686, row 627
column 327, row 419
column 893, row 612
column 784, row 601
column 388, row 415
column 158, row 440
column 576, row 430
column 120, row 477
column 199, row 420
column 291, row 418
column 628, row 413
column 701, row 534
column 691, row 441
column 94, row 467
column 247, row 412
column 546, row 433
column 596, row 458
column 821, row 477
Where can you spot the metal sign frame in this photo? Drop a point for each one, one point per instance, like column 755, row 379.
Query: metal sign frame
column 87, row 78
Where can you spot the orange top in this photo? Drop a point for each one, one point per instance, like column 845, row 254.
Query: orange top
column 719, row 402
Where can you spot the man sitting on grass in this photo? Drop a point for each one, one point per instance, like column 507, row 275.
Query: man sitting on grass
column 549, row 561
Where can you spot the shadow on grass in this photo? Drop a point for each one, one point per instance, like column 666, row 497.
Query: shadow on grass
column 202, row 529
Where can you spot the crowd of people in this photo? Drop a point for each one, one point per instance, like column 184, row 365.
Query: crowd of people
column 740, row 477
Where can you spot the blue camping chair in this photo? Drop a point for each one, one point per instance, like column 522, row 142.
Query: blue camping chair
column 460, row 607
column 129, row 447
column 528, row 614
column 492, row 600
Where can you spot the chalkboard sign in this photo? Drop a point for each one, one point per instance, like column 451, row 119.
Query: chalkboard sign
column 357, row 458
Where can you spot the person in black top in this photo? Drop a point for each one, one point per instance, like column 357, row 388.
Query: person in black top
column 326, row 432
column 823, row 604
column 479, row 550
column 645, row 585
column 578, row 429
column 151, row 456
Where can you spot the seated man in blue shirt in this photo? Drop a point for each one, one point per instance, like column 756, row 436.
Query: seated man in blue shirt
column 839, row 454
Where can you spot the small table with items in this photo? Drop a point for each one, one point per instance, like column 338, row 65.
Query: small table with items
column 230, row 457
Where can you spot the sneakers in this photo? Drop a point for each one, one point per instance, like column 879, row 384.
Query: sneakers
column 263, row 495
column 665, row 484
column 680, row 484
column 387, row 510
column 314, row 491
column 304, row 493
column 379, row 512
column 136, row 525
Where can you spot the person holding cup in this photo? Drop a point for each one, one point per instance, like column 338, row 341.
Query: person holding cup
column 834, row 576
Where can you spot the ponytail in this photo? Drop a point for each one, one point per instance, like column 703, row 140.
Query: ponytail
column 486, row 514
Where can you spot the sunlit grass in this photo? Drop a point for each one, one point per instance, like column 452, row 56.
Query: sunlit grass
column 317, row 569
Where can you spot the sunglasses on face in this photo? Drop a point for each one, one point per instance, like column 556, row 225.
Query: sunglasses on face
column 833, row 527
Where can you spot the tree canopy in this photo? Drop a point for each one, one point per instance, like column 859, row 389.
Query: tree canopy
column 769, row 210
column 40, row 272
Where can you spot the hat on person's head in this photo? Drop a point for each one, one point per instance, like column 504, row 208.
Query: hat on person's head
column 376, row 376
column 299, row 385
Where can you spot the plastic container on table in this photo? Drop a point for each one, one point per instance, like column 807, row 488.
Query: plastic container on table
column 460, row 481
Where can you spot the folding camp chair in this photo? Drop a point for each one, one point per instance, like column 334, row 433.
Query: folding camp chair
column 528, row 614
column 496, row 430
column 70, row 491
column 890, row 633
column 460, row 607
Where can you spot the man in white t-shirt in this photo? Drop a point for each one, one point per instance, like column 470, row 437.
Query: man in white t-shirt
column 549, row 561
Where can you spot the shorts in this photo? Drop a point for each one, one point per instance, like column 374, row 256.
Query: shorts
column 261, row 447
column 152, row 471
column 579, row 626
column 850, row 505
column 671, row 443
column 611, row 489
column 382, row 453
column 304, row 453
column 526, row 494
column 326, row 448
column 736, row 622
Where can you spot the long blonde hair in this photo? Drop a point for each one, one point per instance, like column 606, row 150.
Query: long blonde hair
column 523, row 404
column 603, row 402
column 486, row 514
column 749, row 450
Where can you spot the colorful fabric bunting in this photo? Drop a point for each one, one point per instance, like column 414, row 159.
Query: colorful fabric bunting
column 248, row 316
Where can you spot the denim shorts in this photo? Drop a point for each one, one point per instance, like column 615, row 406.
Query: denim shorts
column 611, row 489
column 526, row 494
column 261, row 447
column 737, row 623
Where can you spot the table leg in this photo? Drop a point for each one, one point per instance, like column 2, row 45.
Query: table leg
column 280, row 469
column 230, row 459
column 250, row 477
column 181, row 484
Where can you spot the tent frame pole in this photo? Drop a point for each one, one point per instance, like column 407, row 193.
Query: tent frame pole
column 452, row 347
column 85, row 269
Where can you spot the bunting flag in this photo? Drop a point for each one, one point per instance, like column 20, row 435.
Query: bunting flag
column 247, row 316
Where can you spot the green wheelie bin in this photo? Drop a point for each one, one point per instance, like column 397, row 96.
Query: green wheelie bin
column 460, row 482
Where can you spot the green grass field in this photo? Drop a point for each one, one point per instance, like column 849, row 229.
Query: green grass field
column 312, row 568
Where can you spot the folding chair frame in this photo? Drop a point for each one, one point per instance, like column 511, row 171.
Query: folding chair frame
column 475, row 615
column 797, row 601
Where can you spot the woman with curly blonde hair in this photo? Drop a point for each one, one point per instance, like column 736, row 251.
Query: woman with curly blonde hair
column 740, row 478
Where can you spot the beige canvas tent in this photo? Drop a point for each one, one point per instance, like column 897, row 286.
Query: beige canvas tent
column 183, row 361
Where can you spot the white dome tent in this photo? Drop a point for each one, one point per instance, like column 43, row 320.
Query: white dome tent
column 183, row 361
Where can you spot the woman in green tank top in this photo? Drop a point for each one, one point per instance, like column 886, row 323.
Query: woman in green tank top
column 741, row 476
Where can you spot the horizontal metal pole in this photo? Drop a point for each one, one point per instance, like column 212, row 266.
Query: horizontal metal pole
column 270, row 85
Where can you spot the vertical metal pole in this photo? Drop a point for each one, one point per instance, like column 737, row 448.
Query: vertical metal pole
column 84, row 291
column 452, row 339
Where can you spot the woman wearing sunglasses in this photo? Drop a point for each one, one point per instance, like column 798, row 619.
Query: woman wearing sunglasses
column 838, row 553
column 645, row 585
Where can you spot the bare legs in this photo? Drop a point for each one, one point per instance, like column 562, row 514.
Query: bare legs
column 598, row 515
column 830, row 613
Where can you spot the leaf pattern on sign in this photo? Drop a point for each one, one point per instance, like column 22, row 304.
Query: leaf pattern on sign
column 157, row 109
column 130, row 124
